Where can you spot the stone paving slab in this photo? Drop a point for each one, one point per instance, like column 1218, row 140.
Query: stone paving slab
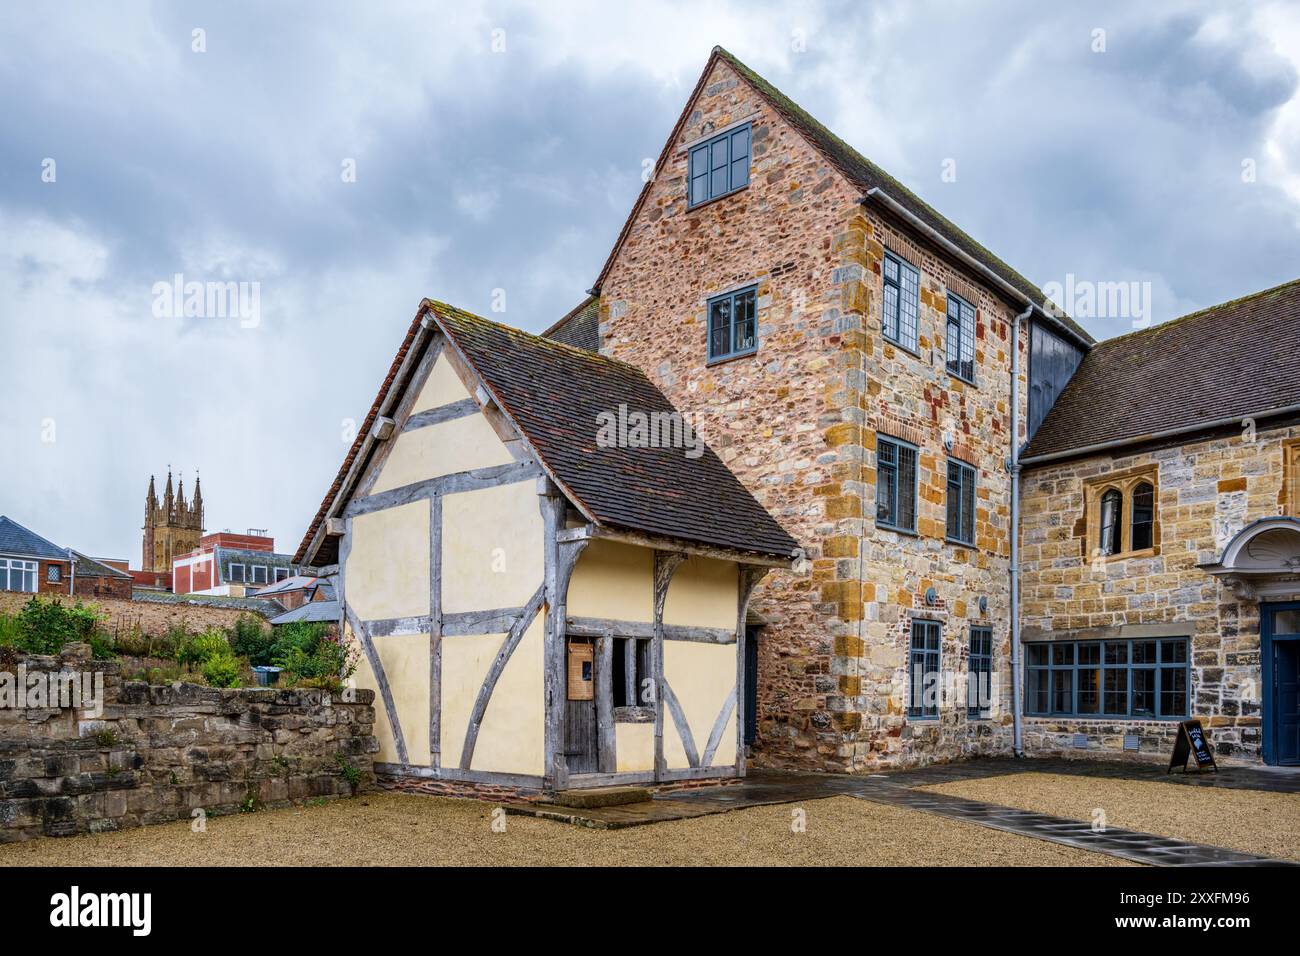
column 895, row 788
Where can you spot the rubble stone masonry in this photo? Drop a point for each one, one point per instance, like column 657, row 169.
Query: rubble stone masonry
column 160, row 753
column 798, row 420
column 1207, row 491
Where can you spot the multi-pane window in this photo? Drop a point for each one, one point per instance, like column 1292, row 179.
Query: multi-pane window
column 961, row 502
column 733, row 324
column 259, row 574
column 719, row 166
column 1143, row 679
column 53, row 573
column 902, row 292
column 1112, row 514
column 895, row 484
column 281, row 574
column 979, row 673
column 923, row 675
column 236, row 574
column 1144, row 509
column 960, row 343
column 630, row 674
column 18, row 575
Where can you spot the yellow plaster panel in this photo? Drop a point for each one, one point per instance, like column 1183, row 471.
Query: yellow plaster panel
column 493, row 554
column 613, row 580
column 701, row 676
column 442, row 387
column 465, row 662
column 387, row 573
column 634, row 747
column 364, row 679
column 406, row 665
column 511, row 738
column 703, row 593
column 461, row 444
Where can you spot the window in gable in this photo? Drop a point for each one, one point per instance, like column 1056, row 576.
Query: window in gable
column 902, row 291
column 961, row 502
column 895, row 485
column 733, row 324
column 960, row 343
column 719, row 166
column 1112, row 507
column 1143, row 511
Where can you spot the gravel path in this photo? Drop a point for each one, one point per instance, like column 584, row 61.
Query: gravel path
column 1252, row 821
column 399, row 829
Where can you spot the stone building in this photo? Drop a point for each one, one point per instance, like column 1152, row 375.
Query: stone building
column 172, row 526
column 871, row 374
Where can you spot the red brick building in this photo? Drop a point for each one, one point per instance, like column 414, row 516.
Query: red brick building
column 229, row 563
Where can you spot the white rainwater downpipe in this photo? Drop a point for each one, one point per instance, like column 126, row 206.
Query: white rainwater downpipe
column 1017, row 739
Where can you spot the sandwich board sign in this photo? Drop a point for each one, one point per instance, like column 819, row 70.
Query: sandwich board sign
column 1192, row 742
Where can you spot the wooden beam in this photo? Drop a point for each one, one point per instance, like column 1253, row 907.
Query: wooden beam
column 492, row 621
column 680, row 722
column 385, row 692
column 660, row 543
column 607, row 759
column 666, row 564
column 435, row 630
column 382, row 429
column 515, row 635
column 719, row 727
column 443, row 413
column 749, row 580
column 473, row 480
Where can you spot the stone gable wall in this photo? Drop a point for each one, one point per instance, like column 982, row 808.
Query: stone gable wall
column 161, row 753
column 1207, row 492
column 797, row 423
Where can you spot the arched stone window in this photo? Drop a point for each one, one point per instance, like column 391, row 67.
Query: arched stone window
column 1143, row 511
column 1112, row 514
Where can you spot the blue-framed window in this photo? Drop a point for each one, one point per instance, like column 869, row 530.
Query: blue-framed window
column 733, row 324
column 902, row 294
column 895, row 484
column 960, row 343
column 961, row 502
column 719, row 166
column 979, row 673
column 924, row 679
column 1141, row 679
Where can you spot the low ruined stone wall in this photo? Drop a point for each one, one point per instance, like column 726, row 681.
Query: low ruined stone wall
column 151, row 754
column 151, row 617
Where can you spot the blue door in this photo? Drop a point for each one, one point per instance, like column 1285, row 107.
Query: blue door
column 1281, row 647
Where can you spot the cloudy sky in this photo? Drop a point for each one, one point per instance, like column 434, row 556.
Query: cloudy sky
column 350, row 158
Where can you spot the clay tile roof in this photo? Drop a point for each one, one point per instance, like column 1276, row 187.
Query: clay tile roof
column 858, row 170
column 1235, row 360
column 580, row 328
column 553, row 393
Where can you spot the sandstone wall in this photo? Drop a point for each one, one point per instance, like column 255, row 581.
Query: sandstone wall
column 1207, row 491
column 153, row 618
column 161, row 753
column 797, row 422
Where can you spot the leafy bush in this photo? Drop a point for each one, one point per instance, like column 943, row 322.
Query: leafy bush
column 252, row 639
column 312, row 655
column 198, row 649
column 222, row 671
column 43, row 627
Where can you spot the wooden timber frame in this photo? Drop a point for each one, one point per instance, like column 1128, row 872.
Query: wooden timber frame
column 567, row 530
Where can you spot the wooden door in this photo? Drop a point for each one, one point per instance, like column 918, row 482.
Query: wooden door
column 580, row 742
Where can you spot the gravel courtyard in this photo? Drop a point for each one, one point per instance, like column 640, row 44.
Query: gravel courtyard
column 1248, row 820
column 404, row 830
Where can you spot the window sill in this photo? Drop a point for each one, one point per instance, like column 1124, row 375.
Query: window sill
column 881, row 526
column 723, row 360
column 709, row 202
column 634, row 715
column 961, row 378
column 924, row 717
column 961, row 544
column 901, row 346
column 1111, row 718
column 1126, row 555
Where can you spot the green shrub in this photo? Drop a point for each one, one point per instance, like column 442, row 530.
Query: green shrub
column 43, row 627
column 198, row 649
column 222, row 671
column 253, row 639
column 312, row 656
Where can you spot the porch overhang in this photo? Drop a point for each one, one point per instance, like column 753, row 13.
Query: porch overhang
column 1262, row 560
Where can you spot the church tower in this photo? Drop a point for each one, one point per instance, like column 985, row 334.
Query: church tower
column 172, row 526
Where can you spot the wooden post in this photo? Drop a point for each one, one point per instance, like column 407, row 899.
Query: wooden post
column 666, row 564
column 749, row 578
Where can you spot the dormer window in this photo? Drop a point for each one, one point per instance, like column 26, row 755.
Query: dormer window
column 719, row 165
